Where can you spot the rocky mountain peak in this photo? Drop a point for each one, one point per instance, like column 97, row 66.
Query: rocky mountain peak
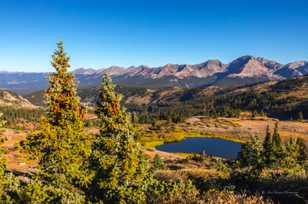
column 293, row 69
column 241, row 71
column 296, row 65
column 85, row 71
column 114, row 70
column 250, row 66
column 273, row 65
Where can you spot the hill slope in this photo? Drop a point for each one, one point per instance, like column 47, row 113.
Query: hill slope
column 10, row 99
column 287, row 99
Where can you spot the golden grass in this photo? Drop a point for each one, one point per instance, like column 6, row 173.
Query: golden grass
column 16, row 160
column 233, row 129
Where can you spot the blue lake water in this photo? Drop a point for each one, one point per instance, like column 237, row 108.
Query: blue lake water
column 210, row 146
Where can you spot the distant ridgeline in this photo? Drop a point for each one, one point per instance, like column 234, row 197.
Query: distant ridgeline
column 242, row 71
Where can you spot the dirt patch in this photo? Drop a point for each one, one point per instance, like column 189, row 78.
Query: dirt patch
column 17, row 161
column 151, row 152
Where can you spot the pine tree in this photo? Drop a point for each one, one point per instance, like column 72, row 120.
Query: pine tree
column 268, row 148
column 59, row 144
column 300, row 116
column 2, row 122
column 120, row 168
column 276, row 136
column 291, row 154
column 157, row 162
column 303, row 152
column 251, row 156
column 251, row 153
column 278, row 150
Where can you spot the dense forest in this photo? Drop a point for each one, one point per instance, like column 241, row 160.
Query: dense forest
column 271, row 102
column 14, row 115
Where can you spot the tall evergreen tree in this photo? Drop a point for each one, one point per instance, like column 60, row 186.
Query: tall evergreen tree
column 60, row 144
column 276, row 136
column 300, row 116
column 251, row 154
column 303, row 152
column 120, row 169
column 278, row 150
column 2, row 121
column 290, row 159
column 268, row 148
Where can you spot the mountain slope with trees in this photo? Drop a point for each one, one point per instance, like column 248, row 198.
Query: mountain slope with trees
column 286, row 99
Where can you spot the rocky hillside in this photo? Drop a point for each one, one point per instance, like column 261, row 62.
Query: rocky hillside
column 8, row 98
column 295, row 69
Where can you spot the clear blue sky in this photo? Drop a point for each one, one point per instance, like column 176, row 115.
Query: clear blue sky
column 152, row 32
